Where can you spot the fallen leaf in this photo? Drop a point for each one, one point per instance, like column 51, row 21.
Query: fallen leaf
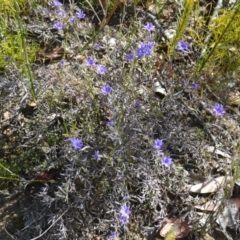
column 210, row 185
column 210, row 206
column 175, row 226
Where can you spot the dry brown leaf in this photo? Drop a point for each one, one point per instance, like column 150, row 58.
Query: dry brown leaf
column 210, row 185
column 178, row 225
column 208, row 206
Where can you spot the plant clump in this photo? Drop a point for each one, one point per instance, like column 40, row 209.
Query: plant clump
column 113, row 135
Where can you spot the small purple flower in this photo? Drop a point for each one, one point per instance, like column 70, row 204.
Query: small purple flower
column 58, row 25
column 145, row 49
column 195, row 86
column 141, row 50
column 111, row 123
column 62, row 62
column 106, row 89
column 136, row 104
column 113, row 235
column 6, row 58
column 80, row 14
column 149, row 27
column 130, row 57
column 167, row 162
column 158, row 144
column 71, row 19
column 76, row 143
column 96, row 155
column 97, row 45
column 182, row 46
column 218, row 109
column 90, row 61
column 56, row 3
column 61, row 12
column 101, row 69
column 124, row 214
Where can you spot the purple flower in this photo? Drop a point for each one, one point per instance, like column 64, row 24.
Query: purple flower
column 182, row 46
column 130, row 57
column 110, row 123
column 113, row 235
column 62, row 62
column 124, row 214
column 96, row 155
column 80, row 14
column 61, row 12
column 136, row 104
column 106, row 89
column 90, row 62
column 145, row 49
column 71, row 19
column 6, row 58
column 149, row 27
column 101, row 69
column 76, row 143
column 97, row 45
column 58, row 25
column 56, row 3
column 218, row 109
column 195, row 86
column 167, row 161
column 158, row 144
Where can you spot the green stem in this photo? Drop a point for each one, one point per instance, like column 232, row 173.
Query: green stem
column 209, row 54
column 30, row 76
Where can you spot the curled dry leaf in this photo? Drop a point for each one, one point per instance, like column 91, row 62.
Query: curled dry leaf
column 178, row 226
column 210, row 185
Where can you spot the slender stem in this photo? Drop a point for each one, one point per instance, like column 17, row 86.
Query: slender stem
column 30, row 77
column 209, row 54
